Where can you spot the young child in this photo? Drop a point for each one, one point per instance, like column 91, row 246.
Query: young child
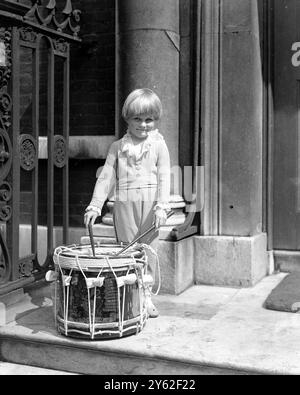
column 138, row 166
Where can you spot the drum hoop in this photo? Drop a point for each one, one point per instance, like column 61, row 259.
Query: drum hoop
column 135, row 327
column 71, row 263
column 105, row 325
column 137, row 250
column 67, row 259
column 90, row 269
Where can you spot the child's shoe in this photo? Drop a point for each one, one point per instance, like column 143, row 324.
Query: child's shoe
column 151, row 309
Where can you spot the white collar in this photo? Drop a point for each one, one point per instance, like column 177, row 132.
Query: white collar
column 128, row 146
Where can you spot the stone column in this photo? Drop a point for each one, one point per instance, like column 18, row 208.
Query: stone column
column 148, row 57
column 237, row 253
column 242, row 121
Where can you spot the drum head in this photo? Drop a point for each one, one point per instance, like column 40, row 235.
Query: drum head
column 81, row 256
column 105, row 250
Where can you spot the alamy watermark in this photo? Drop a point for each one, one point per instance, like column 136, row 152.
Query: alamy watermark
column 296, row 55
column 186, row 181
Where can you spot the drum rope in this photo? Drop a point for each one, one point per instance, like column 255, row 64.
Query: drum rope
column 148, row 247
column 141, row 286
column 94, row 307
column 58, row 252
column 89, row 298
column 123, row 302
column 118, row 290
column 65, row 285
column 67, row 308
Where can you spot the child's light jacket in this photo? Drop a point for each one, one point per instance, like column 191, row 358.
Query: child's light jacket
column 124, row 170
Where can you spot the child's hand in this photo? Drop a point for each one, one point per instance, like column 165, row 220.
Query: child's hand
column 90, row 217
column 160, row 217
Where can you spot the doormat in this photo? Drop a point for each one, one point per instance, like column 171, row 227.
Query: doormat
column 286, row 296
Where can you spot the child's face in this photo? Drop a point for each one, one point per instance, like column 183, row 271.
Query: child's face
column 140, row 125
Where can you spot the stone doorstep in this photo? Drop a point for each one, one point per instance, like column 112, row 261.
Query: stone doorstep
column 32, row 340
column 175, row 343
column 20, row 301
column 15, row 306
column 70, row 357
column 12, row 297
column 13, row 369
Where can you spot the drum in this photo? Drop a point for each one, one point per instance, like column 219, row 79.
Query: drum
column 101, row 296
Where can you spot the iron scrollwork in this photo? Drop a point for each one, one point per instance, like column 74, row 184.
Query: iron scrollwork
column 26, row 267
column 5, row 75
column 28, row 34
column 5, row 102
column 5, row 213
column 5, row 266
column 5, row 192
column 5, row 37
column 61, row 45
column 28, row 152
column 47, row 15
column 5, row 149
column 5, row 154
column 5, row 196
column 60, row 151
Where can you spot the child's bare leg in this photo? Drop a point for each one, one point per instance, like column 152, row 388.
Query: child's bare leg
column 127, row 225
column 152, row 271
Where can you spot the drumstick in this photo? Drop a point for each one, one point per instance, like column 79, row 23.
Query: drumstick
column 142, row 235
column 92, row 238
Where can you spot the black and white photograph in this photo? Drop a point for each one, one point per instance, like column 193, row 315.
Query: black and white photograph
column 149, row 190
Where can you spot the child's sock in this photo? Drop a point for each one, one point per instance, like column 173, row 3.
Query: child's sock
column 151, row 309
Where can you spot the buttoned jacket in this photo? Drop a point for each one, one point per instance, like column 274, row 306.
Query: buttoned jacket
column 127, row 168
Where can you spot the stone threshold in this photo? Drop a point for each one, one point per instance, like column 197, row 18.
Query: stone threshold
column 204, row 331
column 69, row 356
column 14, row 369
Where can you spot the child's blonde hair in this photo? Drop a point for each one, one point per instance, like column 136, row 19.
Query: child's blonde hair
column 142, row 101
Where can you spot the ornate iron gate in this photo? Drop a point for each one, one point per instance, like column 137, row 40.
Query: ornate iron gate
column 35, row 39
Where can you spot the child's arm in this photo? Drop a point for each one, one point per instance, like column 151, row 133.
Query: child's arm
column 104, row 184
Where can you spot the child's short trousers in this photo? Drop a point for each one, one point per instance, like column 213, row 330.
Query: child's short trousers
column 133, row 215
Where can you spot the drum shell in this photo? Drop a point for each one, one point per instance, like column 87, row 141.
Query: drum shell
column 112, row 310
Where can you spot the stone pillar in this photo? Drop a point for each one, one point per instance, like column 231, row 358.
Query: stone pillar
column 242, row 121
column 148, row 57
column 237, row 253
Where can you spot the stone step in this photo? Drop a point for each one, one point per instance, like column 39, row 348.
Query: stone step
column 29, row 337
column 68, row 355
column 204, row 330
column 13, row 369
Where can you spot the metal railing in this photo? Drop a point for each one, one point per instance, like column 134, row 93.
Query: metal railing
column 34, row 102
